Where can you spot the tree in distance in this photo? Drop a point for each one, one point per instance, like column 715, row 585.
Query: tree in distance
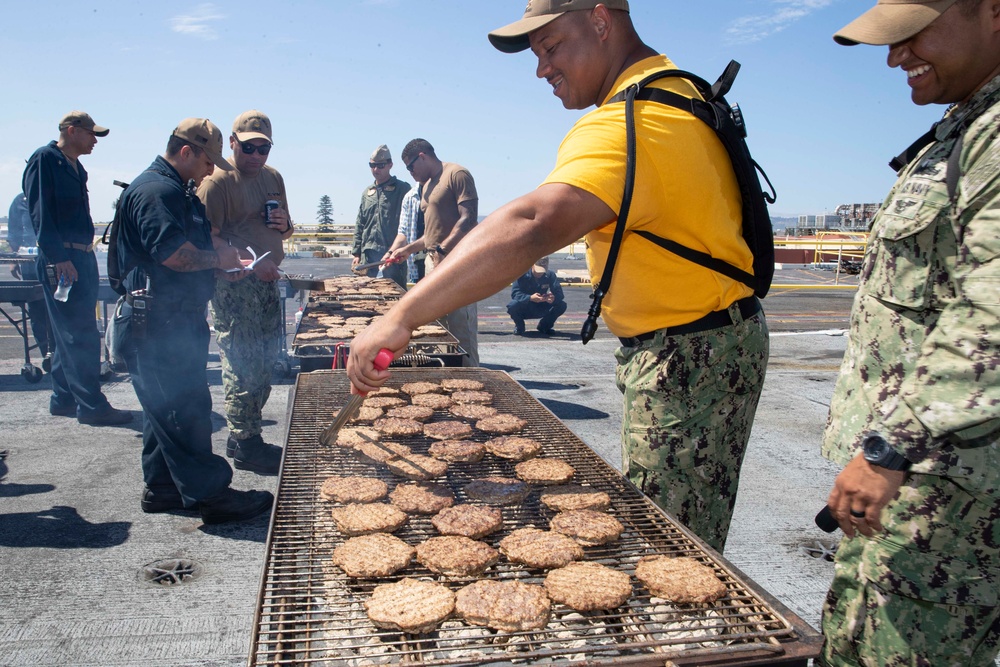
column 324, row 215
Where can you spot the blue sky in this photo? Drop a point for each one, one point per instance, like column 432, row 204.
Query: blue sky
column 340, row 77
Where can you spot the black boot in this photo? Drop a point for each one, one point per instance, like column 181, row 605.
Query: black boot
column 233, row 505
column 256, row 455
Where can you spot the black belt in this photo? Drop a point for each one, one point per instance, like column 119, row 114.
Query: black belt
column 749, row 307
column 178, row 306
column 79, row 246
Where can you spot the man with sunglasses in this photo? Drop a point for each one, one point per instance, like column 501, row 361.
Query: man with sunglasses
column 246, row 307
column 378, row 218
column 55, row 184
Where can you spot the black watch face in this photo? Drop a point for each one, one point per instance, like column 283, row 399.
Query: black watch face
column 875, row 447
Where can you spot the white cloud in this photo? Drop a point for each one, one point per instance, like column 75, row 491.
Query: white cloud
column 197, row 23
column 749, row 29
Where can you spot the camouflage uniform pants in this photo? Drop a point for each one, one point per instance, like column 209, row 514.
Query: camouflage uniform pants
column 690, row 401
column 924, row 593
column 247, row 320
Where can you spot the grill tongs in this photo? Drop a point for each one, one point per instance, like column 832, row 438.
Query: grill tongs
column 372, row 265
column 329, row 435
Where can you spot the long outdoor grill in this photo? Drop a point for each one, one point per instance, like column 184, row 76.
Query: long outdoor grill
column 310, row 612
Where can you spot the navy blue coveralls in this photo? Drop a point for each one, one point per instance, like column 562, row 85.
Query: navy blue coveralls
column 521, row 307
column 168, row 365
column 60, row 214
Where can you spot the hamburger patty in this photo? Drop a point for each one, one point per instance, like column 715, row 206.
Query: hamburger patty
column 385, row 390
column 457, row 451
column 457, row 556
column 436, row 401
column 575, row 497
column 366, row 414
column 410, row 605
column 420, row 413
column 472, row 411
column 544, row 471
column 447, row 430
column 540, row 549
column 501, row 423
column 353, row 489
column 514, row 447
column 352, row 437
column 508, row 606
column 383, row 401
column 363, row 519
column 461, row 384
column 588, row 527
column 587, row 586
column 373, row 556
column 421, row 498
column 414, row 388
column 497, row 490
column 393, row 426
column 382, row 452
column 417, row 466
column 481, row 397
column 473, row 521
column 682, row 580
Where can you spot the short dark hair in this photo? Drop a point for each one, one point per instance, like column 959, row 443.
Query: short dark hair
column 175, row 144
column 968, row 7
column 414, row 148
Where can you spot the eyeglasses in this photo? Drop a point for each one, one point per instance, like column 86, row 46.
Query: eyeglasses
column 249, row 148
column 377, row 165
column 409, row 165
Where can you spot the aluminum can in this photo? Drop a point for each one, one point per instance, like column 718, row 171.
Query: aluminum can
column 269, row 206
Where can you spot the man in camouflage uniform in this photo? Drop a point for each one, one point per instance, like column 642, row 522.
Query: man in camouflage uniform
column 246, row 307
column 692, row 360
column 378, row 218
column 915, row 417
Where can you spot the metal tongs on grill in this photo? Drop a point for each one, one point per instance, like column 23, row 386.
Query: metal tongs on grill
column 372, row 265
column 329, row 435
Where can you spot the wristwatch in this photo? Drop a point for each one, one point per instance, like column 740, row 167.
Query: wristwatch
column 439, row 250
column 878, row 453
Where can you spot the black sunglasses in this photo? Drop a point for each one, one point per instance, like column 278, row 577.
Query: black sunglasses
column 409, row 165
column 377, row 165
column 249, row 148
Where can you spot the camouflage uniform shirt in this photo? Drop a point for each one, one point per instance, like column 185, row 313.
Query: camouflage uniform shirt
column 378, row 216
column 922, row 362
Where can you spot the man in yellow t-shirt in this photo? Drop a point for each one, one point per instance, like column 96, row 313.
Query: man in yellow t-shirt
column 694, row 342
column 246, row 307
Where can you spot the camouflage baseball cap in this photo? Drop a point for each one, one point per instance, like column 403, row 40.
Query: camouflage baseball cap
column 514, row 37
column 252, row 124
column 204, row 134
column 381, row 154
column 891, row 21
column 82, row 119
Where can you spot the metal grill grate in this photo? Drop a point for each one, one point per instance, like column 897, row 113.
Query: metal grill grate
column 310, row 613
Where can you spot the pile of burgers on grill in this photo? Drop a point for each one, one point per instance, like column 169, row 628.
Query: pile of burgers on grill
column 582, row 519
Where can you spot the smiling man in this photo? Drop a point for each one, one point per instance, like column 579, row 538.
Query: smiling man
column 691, row 365
column 915, row 416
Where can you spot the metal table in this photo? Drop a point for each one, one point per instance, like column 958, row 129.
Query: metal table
column 19, row 293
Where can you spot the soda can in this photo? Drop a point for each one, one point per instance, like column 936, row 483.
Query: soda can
column 269, row 206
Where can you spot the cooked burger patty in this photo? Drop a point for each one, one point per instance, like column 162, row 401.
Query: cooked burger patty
column 385, row 390
column 456, row 556
column 417, row 466
column 367, row 518
column 501, row 423
column 575, row 497
column 394, row 427
column 588, row 527
column 382, row 452
column 508, row 606
column 541, row 549
column 422, row 498
column 461, row 384
column 544, row 471
column 436, row 401
column 472, row 411
column 373, row 556
column 383, row 401
column 497, row 490
column 682, row 580
column 481, row 397
column 352, row 437
column 414, row 388
column 410, row 605
column 366, row 414
column 465, row 451
column 587, row 586
column 472, row 521
column 353, row 489
column 514, row 447
column 420, row 413
column 447, row 430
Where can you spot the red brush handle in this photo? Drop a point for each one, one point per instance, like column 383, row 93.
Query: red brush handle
column 383, row 359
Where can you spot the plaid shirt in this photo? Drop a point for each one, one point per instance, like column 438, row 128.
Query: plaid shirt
column 408, row 227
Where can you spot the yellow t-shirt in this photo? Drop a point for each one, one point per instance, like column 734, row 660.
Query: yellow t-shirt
column 685, row 191
column 234, row 203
